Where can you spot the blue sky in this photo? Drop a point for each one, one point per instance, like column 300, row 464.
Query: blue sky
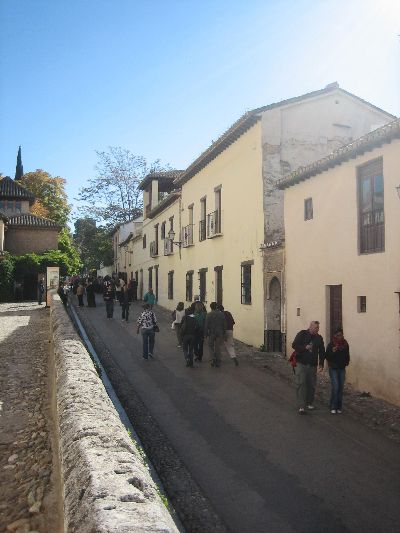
column 164, row 78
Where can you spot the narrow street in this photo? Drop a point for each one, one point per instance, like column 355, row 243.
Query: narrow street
column 264, row 468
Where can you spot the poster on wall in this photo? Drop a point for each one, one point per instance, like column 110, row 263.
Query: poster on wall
column 53, row 280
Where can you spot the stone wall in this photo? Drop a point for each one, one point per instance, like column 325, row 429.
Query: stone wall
column 24, row 240
column 107, row 487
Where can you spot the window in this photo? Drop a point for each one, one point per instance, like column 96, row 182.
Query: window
column 362, row 304
column 150, row 277
column 202, row 222
column 308, row 209
column 163, row 230
column 171, row 223
column 189, row 286
column 171, row 285
column 246, row 283
column 202, row 284
column 144, row 241
column 371, row 217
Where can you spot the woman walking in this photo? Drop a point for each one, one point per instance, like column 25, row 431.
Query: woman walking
column 338, row 357
column 200, row 317
column 146, row 324
column 178, row 315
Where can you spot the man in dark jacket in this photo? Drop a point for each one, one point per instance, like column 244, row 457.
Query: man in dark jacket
column 214, row 331
column 310, row 350
column 188, row 333
column 109, row 295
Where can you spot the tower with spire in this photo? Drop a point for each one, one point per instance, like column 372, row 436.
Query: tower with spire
column 19, row 169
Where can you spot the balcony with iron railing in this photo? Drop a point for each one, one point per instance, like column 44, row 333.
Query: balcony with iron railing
column 202, row 230
column 187, row 236
column 154, row 249
column 168, row 246
column 213, row 224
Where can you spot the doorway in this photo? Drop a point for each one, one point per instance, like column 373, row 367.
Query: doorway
column 274, row 333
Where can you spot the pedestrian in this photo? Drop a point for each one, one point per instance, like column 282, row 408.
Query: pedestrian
column 188, row 332
column 40, row 291
column 61, row 293
column 90, row 293
column 177, row 316
column 228, row 339
column 150, row 298
column 200, row 316
column 80, row 292
column 118, row 290
column 310, row 351
column 214, row 331
column 146, row 324
column 125, row 302
column 196, row 300
column 338, row 357
column 109, row 295
column 134, row 285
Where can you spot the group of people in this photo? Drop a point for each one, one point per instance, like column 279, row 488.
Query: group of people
column 194, row 325
column 309, row 355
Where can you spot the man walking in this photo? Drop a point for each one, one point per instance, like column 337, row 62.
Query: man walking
column 109, row 295
column 188, row 333
column 228, row 340
column 150, row 298
column 310, row 350
column 214, row 331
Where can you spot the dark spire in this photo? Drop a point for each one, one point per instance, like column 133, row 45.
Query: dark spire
column 19, row 169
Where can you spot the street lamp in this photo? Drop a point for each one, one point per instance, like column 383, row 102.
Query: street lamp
column 171, row 236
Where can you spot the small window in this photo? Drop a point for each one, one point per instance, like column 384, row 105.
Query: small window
column 150, row 284
column 189, row 286
column 144, row 241
column 308, row 209
column 246, row 284
column 171, row 285
column 163, row 230
column 362, row 304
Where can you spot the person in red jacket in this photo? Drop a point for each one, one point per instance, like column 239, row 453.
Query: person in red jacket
column 338, row 357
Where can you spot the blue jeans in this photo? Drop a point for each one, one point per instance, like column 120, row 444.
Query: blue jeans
column 337, row 376
column 148, row 337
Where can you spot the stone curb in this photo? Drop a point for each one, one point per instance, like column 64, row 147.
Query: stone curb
column 107, row 487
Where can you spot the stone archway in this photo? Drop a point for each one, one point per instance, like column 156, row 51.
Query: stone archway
column 274, row 316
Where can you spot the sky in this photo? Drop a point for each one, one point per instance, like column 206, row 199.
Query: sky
column 165, row 78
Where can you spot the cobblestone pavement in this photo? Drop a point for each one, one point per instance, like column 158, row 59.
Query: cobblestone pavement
column 28, row 499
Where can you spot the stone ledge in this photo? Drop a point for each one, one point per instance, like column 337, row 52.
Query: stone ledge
column 107, row 488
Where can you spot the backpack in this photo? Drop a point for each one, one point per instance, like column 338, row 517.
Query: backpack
column 293, row 361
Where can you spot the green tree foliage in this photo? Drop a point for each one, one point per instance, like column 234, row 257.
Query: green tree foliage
column 67, row 246
column 94, row 243
column 112, row 196
column 29, row 264
column 51, row 198
column 6, row 278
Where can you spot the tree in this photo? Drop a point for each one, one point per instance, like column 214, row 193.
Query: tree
column 67, row 247
column 94, row 243
column 19, row 169
column 112, row 196
column 51, row 198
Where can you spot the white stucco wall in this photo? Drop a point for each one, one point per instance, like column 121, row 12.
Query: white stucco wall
column 324, row 251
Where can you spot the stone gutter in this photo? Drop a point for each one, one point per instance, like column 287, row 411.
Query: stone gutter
column 106, row 485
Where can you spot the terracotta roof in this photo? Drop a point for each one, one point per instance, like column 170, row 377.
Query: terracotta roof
column 9, row 189
column 248, row 120
column 164, row 176
column 168, row 200
column 26, row 219
column 366, row 143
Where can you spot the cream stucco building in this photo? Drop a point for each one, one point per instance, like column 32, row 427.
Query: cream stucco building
column 342, row 219
column 227, row 215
